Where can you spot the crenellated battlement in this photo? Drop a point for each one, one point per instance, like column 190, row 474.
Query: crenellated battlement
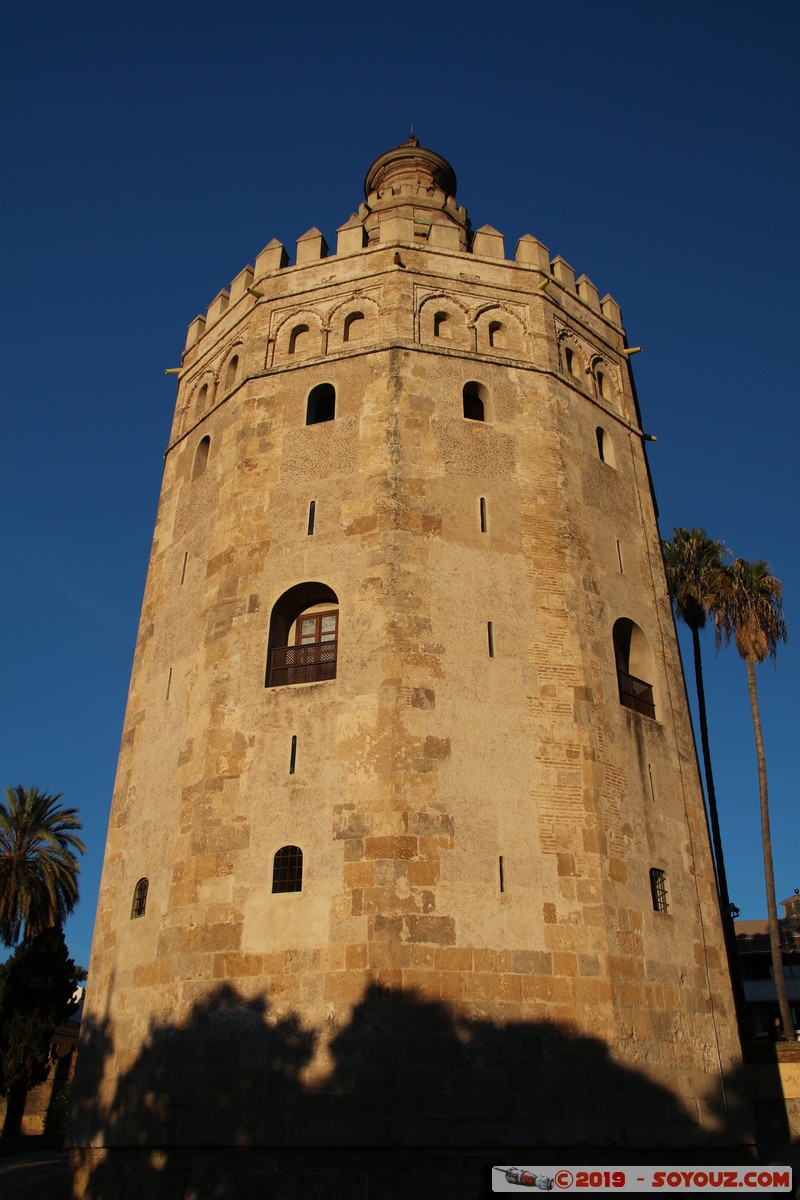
column 409, row 202
column 355, row 237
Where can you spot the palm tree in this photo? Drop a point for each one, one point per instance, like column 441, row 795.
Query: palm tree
column 38, row 865
column 749, row 608
column 693, row 562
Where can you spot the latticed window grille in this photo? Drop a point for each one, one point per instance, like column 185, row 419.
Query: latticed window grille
column 636, row 694
column 139, row 899
column 658, row 889
column 287, row 870
column 313, row 657
column 302, row 664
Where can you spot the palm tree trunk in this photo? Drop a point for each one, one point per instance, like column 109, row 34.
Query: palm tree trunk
column 728, row 929
column 769, row 874
column 716, row 837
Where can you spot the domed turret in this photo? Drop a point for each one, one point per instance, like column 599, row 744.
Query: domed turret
column 411, row 191
column 410, row 164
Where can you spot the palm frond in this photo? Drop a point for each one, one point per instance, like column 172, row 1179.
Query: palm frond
column 38, row 863
column 693, row 561
column 749, row 609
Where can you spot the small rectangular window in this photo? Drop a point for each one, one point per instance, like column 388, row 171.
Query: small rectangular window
column 169, row 682
column 619, row 559
column 483, row 515
column 490, row 632
column 293, row 755
column 502, row 875
column 658, row 889
column 319, row 627
column 183, row 570
column 312, row 512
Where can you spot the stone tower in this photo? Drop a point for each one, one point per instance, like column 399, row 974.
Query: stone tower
column 407, row 848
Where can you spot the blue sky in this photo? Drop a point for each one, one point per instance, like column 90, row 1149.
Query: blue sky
column 152, row 150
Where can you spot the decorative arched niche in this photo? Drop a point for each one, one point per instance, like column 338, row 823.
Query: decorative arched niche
column 303, row 636
column 200, row 401
column 299, row 336
column 355, row 326
column 444, row 322
column 572, row 363
column 499, row 332
column 604, row 383
column 353, row 322
column 232, row 371
column 635, row 667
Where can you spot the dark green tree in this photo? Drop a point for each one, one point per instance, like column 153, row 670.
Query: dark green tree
column 37, row 985
column 749, row 608
column 38, row 863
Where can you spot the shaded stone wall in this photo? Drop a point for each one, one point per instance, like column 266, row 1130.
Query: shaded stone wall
column 46, row 1105
column 773, row 1074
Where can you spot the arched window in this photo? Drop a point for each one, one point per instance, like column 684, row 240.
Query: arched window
column 572, row 362
column 321, row 404
column 353, row 326
column 605, row 447
column 603, row 381
column 231, row 372
column 496, row 337
column 658, row 889
column 201, row 456
column 139, row 899
column 440, row 329
column 202, row 397
column 303, row 636
column 635, row 667
column 475, row 398
column 287, row 870
column 299, row 339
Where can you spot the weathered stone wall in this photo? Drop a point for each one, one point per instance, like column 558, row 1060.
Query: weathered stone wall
column 407, row 996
